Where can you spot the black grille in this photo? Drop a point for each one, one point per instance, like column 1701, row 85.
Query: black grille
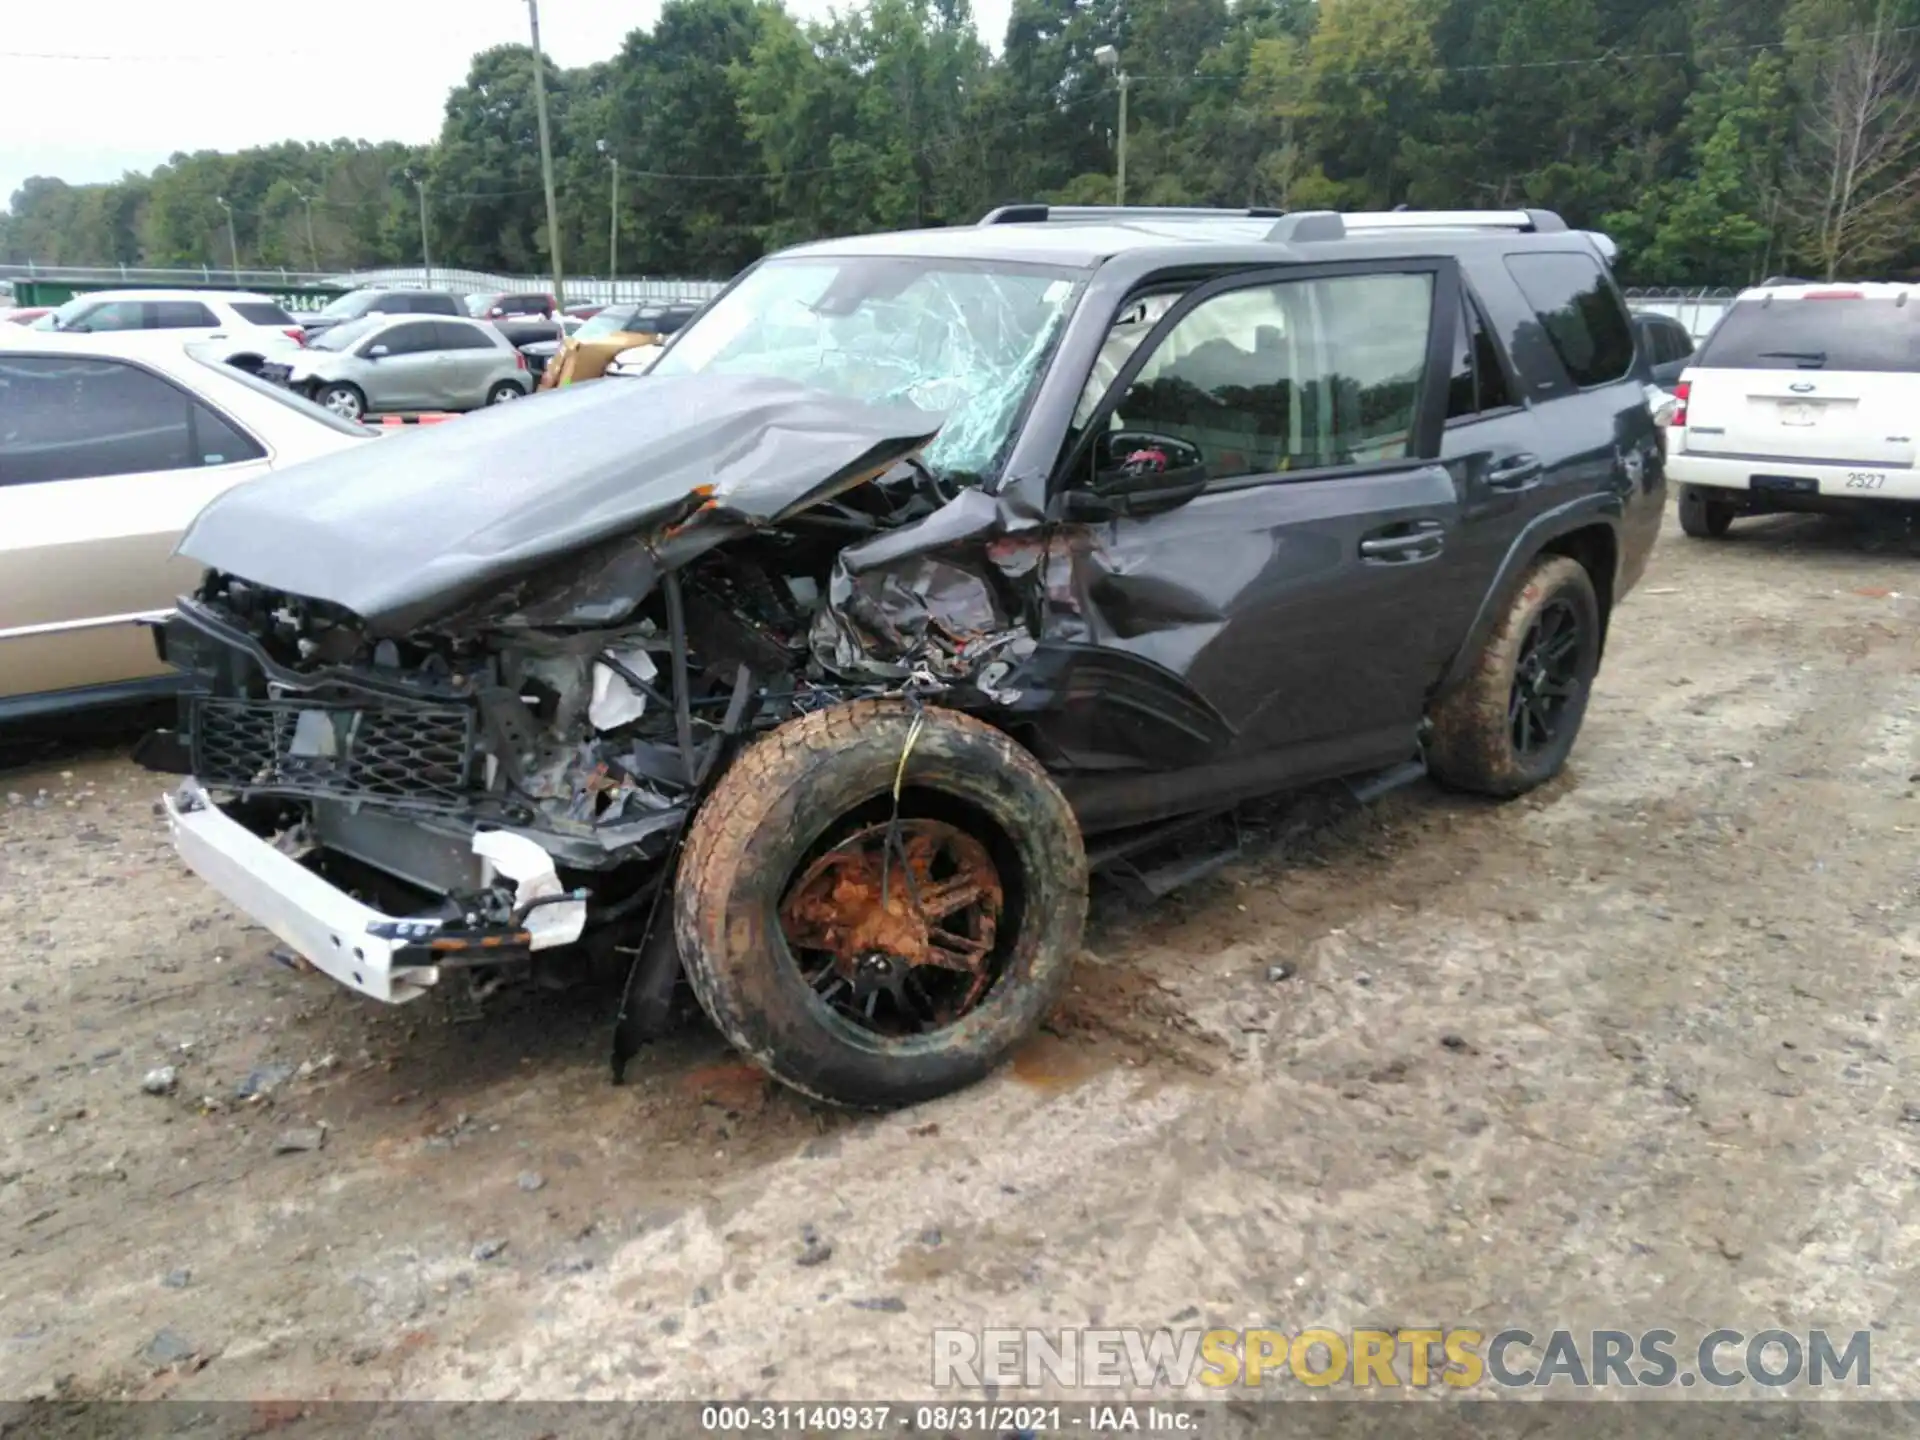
column 421, row 755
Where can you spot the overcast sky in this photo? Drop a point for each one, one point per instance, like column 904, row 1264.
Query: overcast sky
column 92, row 88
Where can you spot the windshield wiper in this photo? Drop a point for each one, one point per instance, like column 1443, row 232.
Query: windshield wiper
column 1810, row 359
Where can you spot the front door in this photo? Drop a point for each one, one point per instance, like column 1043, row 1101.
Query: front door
column 1294, row 593
column 412, row 373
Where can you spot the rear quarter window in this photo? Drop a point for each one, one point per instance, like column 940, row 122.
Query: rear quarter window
column 255, row 312
column 1878, row 334
column 1580, row 311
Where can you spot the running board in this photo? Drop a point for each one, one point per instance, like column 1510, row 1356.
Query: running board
column 1365, row 792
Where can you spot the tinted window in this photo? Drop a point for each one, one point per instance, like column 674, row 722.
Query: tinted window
column 346, row 336
column 349, row 306
column 1580, row 311
column 63, row 419
column 433, row 302
column 1294, row 376
column 462, row 337
column 412, row 339
column 182, row 315
column 1478, row 382
column 254, row 312
column 1877, row 335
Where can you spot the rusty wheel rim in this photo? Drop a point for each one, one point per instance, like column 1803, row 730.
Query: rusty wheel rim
column 894, row 928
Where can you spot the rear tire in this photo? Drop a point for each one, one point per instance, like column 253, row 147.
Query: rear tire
column 846, row 1020
column 503, row 391
column 1704, row 515
column 1511, row 725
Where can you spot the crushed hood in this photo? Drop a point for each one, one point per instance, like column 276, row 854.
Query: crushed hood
column 408, row 529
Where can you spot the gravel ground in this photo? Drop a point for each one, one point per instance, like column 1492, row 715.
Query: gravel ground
column 1634, row 1051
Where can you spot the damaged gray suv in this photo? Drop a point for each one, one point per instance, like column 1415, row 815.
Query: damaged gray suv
column 924, row 573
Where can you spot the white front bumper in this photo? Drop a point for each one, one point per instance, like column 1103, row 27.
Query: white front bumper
column 326, row 925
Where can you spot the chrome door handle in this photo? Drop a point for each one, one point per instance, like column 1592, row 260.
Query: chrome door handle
column 1518, row 472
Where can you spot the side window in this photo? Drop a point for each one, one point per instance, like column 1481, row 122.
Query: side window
column 1478, row 383
column 1680, row 341
column 410, row 339
column 1580, row 311
column 182, row 315
column 1297, row 375
column 117, row 315
column 256, row 312
column 63, row 419
column 454, row 336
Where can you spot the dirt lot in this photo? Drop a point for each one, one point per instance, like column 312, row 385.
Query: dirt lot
column 1635, row 1051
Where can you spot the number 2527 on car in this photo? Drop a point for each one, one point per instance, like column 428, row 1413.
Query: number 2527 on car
column 1865, row 479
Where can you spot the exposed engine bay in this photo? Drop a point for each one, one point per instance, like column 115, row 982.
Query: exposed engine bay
column 519, row 768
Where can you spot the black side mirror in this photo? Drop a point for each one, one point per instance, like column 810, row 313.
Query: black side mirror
column 1137, row 473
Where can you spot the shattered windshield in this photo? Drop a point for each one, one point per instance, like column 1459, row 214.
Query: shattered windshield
column 968, row 341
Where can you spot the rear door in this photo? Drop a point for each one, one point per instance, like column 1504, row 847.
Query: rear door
column 102, row 464
column 1825, row 376
column 471, row 361
column 1295, row 592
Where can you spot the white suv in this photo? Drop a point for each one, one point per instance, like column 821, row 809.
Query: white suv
column 1804, row 397
column 246, row 326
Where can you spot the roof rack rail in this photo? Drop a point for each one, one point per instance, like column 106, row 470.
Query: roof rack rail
column 1309, row 226
column 1036, row 214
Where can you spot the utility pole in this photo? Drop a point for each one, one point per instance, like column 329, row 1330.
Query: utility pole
column 1109, row 58
column 233, row 239
column 313, row 250
column 426, row 250
column 613, row 223
column 546, row 158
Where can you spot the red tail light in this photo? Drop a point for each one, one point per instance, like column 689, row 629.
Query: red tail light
column 1680, row 394
column 297, row 335
column 519, row 360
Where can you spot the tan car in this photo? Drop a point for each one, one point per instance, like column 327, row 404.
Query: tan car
column 109, row 445
column 616, row 328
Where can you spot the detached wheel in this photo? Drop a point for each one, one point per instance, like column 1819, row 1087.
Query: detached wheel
column 342, row 399
column 1512, row 724
column 1705, row 515
column 870, row 958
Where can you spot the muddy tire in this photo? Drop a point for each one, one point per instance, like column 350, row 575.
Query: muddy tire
column 799, row 799
column 1704, row 515
column 1510, row 726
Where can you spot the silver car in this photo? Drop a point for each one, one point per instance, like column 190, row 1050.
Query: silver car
column 405, row 362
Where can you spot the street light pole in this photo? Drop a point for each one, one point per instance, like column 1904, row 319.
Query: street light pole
column 613, row 222
column 1109, row 58
column 313, row 250
column 546, row 157
column 426, row 250
column 233, row 238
